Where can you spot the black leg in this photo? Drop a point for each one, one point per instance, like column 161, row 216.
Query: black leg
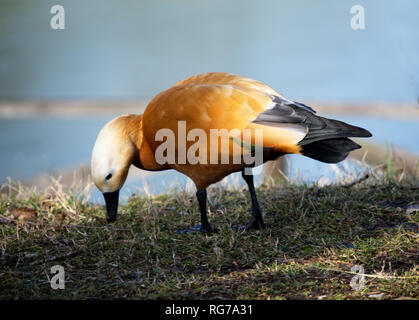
column 256, row 222
column 202, row 200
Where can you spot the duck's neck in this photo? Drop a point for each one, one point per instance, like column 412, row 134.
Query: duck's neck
column 144, row 158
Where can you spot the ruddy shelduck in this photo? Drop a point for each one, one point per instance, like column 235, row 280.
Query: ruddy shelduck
column 219, row 101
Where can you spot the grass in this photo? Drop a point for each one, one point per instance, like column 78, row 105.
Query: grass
column 313, row 239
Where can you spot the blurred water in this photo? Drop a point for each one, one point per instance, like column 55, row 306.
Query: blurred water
column 135, row 49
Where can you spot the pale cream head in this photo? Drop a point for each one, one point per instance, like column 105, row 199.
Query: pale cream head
column 112, row 156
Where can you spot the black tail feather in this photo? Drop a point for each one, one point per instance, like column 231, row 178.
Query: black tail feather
column 330, row 150
column 327, row 139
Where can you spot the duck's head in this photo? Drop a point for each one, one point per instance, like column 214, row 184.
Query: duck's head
column 112, row 156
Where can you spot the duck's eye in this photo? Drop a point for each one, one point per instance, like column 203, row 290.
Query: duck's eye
column 108, row 176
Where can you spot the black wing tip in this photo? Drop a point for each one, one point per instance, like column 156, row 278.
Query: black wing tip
column 368, row 134
column 280, row 100
column 362, row 133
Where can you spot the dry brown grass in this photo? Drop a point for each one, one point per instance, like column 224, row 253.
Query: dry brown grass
column 314, row 236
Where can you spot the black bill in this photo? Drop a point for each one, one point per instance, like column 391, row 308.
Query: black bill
column 111, row 200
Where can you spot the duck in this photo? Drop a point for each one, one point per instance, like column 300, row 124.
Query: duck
column 209, row 126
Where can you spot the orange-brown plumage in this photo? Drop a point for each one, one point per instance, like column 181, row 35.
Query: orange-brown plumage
column 219, row 101
column 214, row 101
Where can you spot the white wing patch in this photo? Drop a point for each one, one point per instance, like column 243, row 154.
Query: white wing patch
column 294, row 132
